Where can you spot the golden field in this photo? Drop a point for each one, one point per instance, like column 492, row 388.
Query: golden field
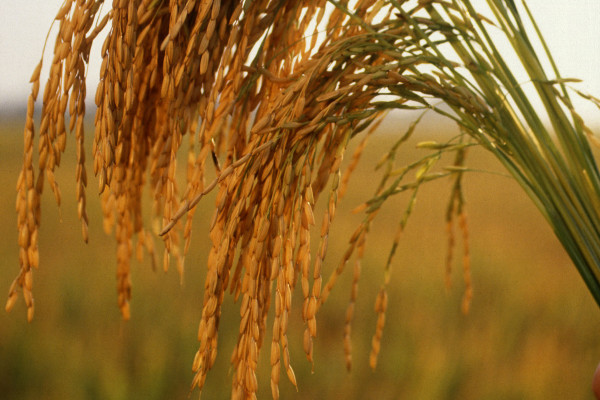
column 531, row 333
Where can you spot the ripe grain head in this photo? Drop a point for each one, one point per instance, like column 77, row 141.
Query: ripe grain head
column 274, row 110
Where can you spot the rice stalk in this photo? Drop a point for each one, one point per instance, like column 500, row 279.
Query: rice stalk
column 272, row 108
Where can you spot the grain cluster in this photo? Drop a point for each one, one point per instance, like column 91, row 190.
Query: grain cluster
column 260, row 100
column 268, row 94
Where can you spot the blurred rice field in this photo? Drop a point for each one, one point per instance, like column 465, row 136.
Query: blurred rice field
column 532, row 332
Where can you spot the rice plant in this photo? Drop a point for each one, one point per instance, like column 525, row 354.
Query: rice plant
column 268, row 95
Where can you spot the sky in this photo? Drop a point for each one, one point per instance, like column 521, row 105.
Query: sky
column 571, row 29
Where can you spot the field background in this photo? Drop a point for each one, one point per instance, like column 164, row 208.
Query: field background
column 532, row 332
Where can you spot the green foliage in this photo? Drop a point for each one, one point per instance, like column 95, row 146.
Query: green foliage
column 444, row 50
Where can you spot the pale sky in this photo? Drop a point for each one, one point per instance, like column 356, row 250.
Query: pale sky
column 571, row 28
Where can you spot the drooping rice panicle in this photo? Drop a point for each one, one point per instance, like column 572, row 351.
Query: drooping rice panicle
column 273, row 92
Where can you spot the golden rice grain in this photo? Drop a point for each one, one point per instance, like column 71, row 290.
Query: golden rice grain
column 275, row 124
column 380, row 308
